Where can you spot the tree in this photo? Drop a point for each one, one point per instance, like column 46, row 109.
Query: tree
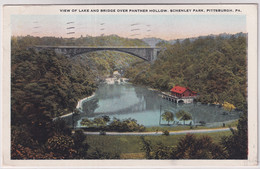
column 166, row 133
column 59, row 126
column 19, row 151
column 106, row 118
column 125, row 125
column 191, row 147
column 78, row 138
column 39, row 125
column 168, row 116
column 86, row 122
column 163, row 152
column 62, row 146
column 146, row 146
column 99, row 121
column 228, row 106
column 80, row 144
column 237, row 144
column 183, row 115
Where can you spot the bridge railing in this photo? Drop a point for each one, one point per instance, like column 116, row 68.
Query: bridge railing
column 98, row 47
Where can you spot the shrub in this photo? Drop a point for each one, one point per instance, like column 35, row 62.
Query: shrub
column 102, row 133
column 125, row 125
column 166, row 133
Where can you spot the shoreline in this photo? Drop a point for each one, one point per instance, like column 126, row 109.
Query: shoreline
column 80, row 102
column 79, row 106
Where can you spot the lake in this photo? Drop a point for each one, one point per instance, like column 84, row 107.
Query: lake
column 124, row 101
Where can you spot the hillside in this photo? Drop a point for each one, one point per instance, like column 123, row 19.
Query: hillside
column 214, row 66
column 45, row 85
column 223, row 35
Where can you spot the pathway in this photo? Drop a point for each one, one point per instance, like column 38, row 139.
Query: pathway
column 160, row 133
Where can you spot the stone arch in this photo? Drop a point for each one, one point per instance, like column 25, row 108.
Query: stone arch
column 180, row 101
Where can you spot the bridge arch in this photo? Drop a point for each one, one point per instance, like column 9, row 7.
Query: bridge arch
column 117, row 50
column 145, row 53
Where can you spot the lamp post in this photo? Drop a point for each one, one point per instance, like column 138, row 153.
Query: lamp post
column 73, row 122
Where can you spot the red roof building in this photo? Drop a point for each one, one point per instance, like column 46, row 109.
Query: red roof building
column 180, row 91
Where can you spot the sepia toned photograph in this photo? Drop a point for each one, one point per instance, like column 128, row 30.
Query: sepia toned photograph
column 149, row 83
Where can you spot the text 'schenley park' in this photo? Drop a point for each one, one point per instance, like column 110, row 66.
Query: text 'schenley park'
column 129, row 87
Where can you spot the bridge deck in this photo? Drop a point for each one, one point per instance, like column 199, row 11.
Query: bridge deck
column 144, row 52
column 99, row 47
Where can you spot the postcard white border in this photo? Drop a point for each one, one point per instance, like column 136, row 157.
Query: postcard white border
column 251, row 13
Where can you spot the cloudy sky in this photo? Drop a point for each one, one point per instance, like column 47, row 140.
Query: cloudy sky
column 131, row 26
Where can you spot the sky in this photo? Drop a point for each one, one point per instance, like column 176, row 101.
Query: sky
column 166, row 27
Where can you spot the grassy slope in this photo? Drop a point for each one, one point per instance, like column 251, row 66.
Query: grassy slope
column 129, row 146
column 178, row 128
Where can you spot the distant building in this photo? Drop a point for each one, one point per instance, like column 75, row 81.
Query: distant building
column 180, row 92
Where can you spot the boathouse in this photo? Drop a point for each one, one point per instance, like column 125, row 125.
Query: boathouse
column 179, row 91
column 179, row 94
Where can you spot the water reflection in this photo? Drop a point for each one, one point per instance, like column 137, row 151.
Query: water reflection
column 90, row 106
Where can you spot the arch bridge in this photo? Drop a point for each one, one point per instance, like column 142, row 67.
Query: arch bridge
column 145, row 53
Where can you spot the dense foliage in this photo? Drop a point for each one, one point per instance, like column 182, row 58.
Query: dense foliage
column 45, row 85
column 110, row 40
column 103, row 124
column 125, row 125
column 234, row 146
column 49, row 81
column 191, row 147
column 215, row 67
column 58, row 143
column 237, row 144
